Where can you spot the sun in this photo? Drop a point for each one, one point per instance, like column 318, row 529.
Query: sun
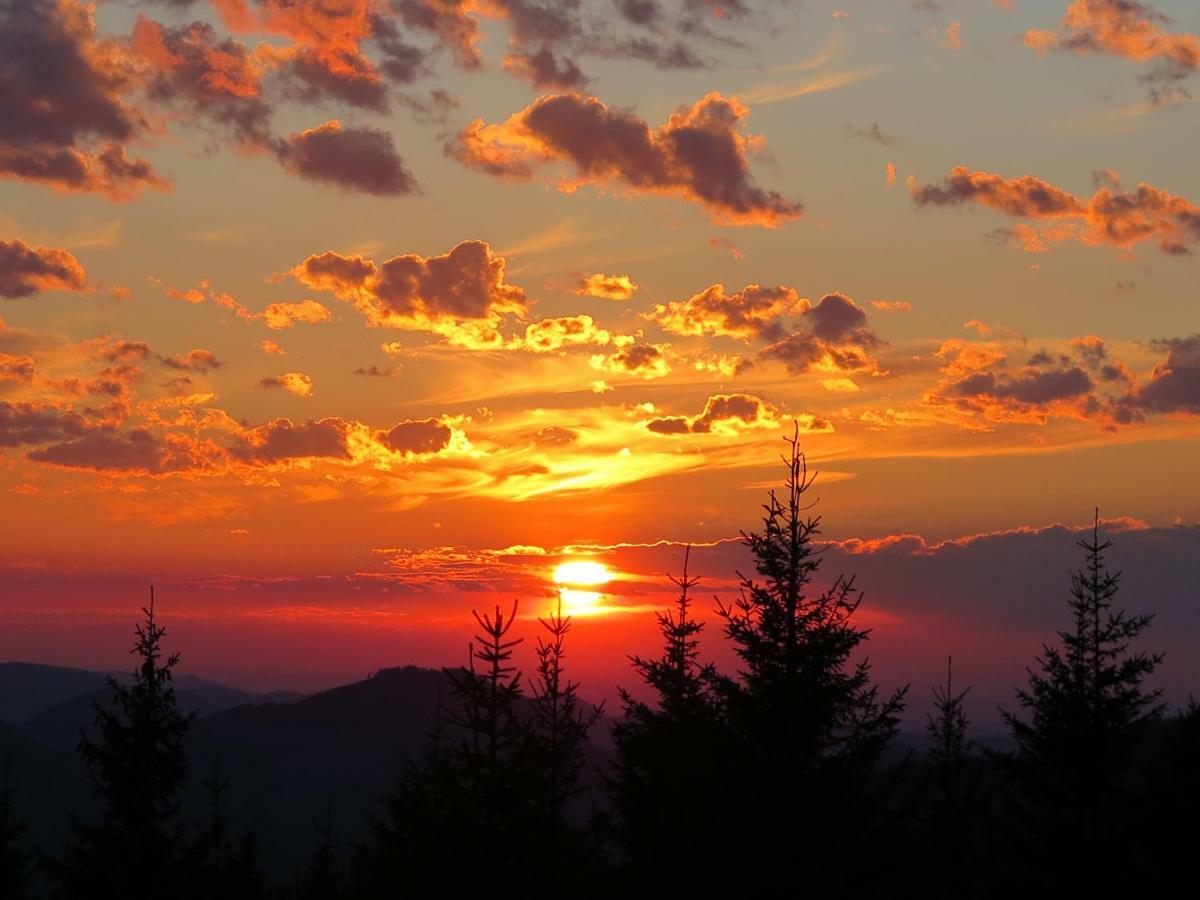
column 582, row 572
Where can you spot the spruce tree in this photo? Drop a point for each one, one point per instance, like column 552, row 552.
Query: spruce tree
column 138, row 766
column 1086, row 708
column 951, row 801
column 811, row 721
column 323, row 877
column 667, row 776
column 559, row 722
column 15, row 860
column 216, row 862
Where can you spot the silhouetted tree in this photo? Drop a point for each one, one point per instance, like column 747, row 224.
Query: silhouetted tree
column 1087, row 708
column 560, row 721
column 1175, row 795
column 137, row 765
column 216, row 863
column 812, row 724
column 952, row 801
column 665, row 787
column 16, row 863
column 323, row 877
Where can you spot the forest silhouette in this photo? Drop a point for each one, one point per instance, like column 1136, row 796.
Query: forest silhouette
column 777, row 777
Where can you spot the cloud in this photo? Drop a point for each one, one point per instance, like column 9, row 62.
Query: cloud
column 63, row 119
column 1174, row 386
column 544, row 70
column 26, row 270
column 293, row 382
column 727, row 414
column 700, row 154
column 271, row 348
column 606, row 287
column 37, row 423
column 838, row 340
column 752, row 312
column 979, row 384
column 282, row 439
column 644, row 360
column 874, row 134
column 218, row 80
column 892, row 305
column 552, row 335
column 192, row 361
column 138, row 451
column 374, row 371
column 1110, row 217
column 1131, row 30
column 416, row 437
column 360, row 159
column 437, row 294
column 285, row 315
column 17, row 368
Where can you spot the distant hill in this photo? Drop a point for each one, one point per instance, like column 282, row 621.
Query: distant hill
column 283, row 760
column 28, row 689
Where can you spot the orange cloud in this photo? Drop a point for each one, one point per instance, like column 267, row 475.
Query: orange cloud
column 285, row 315
column 1131, row 30
column 551, row 335
column 754, row 311
column 727, row 414
column 699, row 155
column 644, row 360
column 26, row 270
column 438, row 294
column 1111, row 216
column 606, row 287
column 293, row 382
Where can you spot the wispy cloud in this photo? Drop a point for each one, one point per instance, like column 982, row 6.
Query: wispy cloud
column 775, row 93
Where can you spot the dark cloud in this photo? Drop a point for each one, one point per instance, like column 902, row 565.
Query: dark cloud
column 416, row 436
column 37, row 423
column 838, row 339
column 282, row 439
column 700, row 154
column 26, row 270
column 544, row 69
column 63, row 119
column 1174, row 386
column 360, row 159
column 137, row 452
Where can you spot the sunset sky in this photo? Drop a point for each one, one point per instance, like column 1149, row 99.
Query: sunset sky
column 336, row 318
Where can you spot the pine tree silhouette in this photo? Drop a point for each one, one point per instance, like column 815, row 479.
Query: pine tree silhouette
column 138, row 766
column 811, row 721
column 560, row 722
column 323, row 877
column 1087, row 708
column 947, row 727
column 952, row 800
column 16, row 863
column 665, row 787
column 214, row 862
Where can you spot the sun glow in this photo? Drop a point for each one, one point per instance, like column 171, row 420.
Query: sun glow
column 577, row 580
column 582, row 572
